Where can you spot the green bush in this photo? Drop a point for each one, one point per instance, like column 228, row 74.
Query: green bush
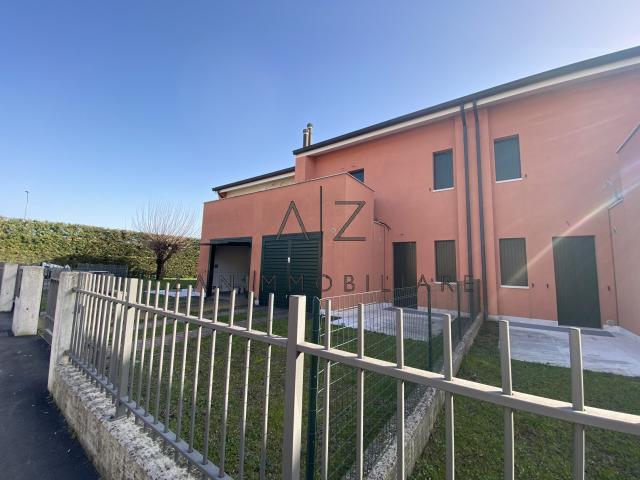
column 32, row 241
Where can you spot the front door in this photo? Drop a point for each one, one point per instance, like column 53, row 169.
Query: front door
column 405, row 279
column 574, row 260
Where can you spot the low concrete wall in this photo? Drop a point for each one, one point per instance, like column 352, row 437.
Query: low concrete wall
column 26, row 308
column 8, row 274
column 119, row 449
column 419, row 422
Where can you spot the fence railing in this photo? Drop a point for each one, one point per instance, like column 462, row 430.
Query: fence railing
column 138, row 350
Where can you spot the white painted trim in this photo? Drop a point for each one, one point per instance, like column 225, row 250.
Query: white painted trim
column 510, row 180
column 518, row 287
column 483, row 102
column 258, row 182
column 442, row 189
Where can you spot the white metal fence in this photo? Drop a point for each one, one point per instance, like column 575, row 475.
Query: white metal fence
column 136, row 350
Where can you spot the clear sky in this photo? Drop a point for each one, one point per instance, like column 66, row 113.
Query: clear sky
column 106, row 105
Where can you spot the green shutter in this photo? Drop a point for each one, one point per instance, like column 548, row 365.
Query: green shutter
column 513, row 262
column 507, row 155
column 445, row 260
column 443, row 170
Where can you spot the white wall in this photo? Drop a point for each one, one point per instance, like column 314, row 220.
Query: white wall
column 231, row 258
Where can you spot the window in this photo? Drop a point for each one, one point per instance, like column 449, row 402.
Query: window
column 443, row 170
column 507, row 155
column 513, row 262
column 358, row 174
column 445, row 260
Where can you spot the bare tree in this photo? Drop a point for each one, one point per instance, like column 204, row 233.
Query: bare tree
column 166, row 229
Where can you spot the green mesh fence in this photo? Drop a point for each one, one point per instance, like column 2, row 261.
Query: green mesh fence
column 424, row 308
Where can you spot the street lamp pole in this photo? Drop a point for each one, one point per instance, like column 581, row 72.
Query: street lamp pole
column 26, row 204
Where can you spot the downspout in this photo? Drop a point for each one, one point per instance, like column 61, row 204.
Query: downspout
column 465, row 141
column 483, row 251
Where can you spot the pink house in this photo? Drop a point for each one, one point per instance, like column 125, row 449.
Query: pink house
column 512, row 185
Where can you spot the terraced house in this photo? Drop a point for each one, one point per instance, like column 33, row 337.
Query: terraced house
column 512, row 185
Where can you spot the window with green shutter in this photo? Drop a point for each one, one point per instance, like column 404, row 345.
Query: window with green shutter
column 443, row 170
column 445, row 260
column 507, row 158
column 513, row 262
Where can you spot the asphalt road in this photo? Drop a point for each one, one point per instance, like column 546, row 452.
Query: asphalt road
column 35, row 442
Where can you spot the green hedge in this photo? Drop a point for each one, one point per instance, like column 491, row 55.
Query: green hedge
column 31, row 241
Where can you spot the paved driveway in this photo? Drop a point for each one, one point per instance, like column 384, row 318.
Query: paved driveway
column 34, row 439
column 612, row 350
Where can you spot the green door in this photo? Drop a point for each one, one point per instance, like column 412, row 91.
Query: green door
column 290, row 266
column 574, row 260
column 405, row 278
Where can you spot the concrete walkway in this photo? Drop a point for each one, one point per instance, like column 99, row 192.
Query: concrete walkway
column 381, row 318
column 34, row 439
column 613, row 350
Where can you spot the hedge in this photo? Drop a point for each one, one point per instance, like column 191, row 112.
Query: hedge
column 32, row 241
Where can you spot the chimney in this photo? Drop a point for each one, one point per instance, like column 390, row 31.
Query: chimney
column 305, row 137
column 309, row 129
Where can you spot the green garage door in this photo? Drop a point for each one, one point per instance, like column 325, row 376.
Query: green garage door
column 290, row 266
column 574, row 260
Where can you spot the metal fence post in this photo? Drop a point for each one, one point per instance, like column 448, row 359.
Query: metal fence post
column 313, row 393
column 430, row 328
column 400, row 470
column 448, row 399
column 128, row 320
column 577, row 399
column 459, row 318
column 507, row 389
column 63, row 320
column 294, row 383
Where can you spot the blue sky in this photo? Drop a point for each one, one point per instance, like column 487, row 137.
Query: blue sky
column 106, row 105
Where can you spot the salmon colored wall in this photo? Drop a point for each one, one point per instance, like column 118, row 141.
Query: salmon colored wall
column 625, row 225
column 399, row 169
column 568, row 137
column 261, row 213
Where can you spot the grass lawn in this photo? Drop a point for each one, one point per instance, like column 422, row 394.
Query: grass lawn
column 255, row 404
column 184, row 282
column 379, row 397
column 543, row 446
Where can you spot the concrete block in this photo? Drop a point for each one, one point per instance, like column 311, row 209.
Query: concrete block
column 120, row 449
column 63, row 320
column 8, row 274
column 27, row 305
